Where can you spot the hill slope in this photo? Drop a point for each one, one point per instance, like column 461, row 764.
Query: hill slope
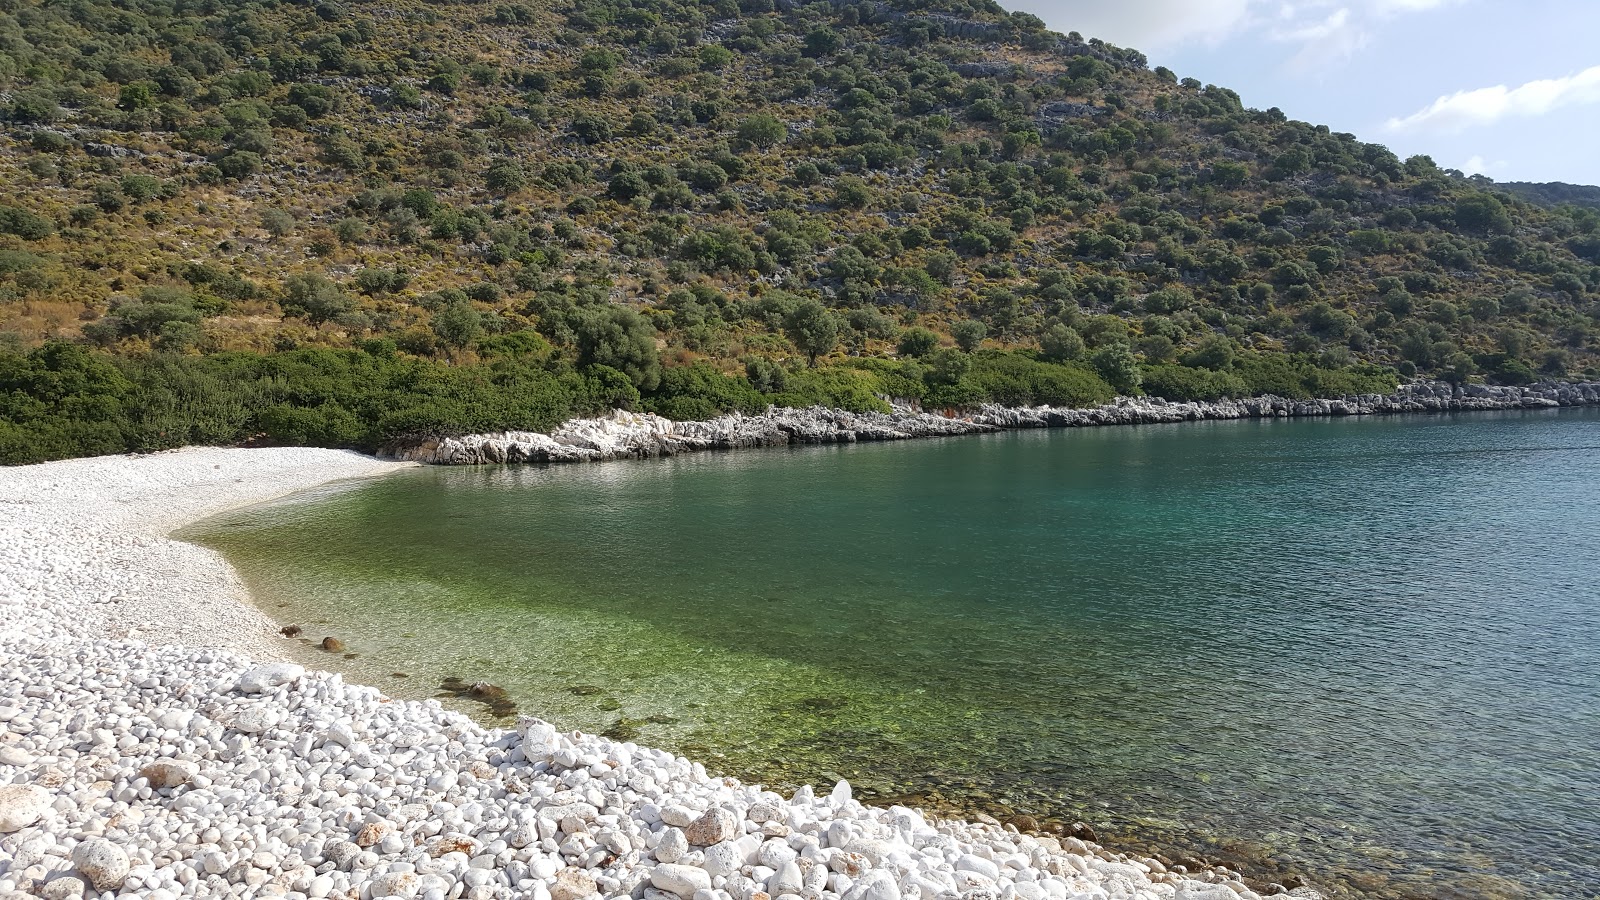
column 516, row 211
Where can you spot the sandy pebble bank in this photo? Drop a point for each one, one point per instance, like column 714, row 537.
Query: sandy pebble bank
column 182, row 767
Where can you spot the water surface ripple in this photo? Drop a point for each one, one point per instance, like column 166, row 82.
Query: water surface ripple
column 1367, row 650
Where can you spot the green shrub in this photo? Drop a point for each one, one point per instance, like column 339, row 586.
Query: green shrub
column 1184, row 383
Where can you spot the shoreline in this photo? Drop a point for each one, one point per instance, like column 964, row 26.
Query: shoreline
column 629, row 435
column 132, row 767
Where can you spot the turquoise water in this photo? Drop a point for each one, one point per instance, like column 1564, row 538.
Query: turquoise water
column 1365, row 650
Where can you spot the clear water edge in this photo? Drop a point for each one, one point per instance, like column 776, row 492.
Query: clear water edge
column 1241, row 640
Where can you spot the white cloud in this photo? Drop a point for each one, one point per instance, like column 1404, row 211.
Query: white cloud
column 1326, row 31
column 1144, row 24
column 1454, row 113
column 1477, row 165
column 1331, row 40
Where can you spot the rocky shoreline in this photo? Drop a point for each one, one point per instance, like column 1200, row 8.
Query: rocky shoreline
column 626, row 435
column 185, row 768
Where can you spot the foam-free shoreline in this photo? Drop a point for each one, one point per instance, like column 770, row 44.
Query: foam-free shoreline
column 147, row 751
column 626, row 435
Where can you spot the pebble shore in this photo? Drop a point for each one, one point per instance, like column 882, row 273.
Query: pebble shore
column 150, row 746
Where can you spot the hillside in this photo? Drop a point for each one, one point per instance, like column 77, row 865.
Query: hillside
column 1554, row 193
column 336, row 222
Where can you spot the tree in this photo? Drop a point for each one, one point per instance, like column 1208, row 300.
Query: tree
column 852, row 193
column 813, row 329
column 762, row 130
column 1458, row 368
column 314, row 298
column 1483, row 213
column 969, row 334
column 1118, row 366
column 822, row 41
column 618, row 337
column 1060, row 343
column 24, row 224
column 505, row 176
column 947, row 366
column 1214, row 352
column 277, row 223
column 240, row 164
column 917, row 342
column 458, row 325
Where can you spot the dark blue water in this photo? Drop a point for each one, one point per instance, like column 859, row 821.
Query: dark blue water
column 1365, row 650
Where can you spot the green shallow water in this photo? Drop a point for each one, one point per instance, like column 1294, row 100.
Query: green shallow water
column 1365, row 650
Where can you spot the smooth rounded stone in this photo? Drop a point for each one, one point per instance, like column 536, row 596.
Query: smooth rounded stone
column 264, row 678
column 787, row 879
column 878, row 885
column 164, row 774
column 970, row 863
column 672, row 846
column 773, row 854
column 680, row 880
column 714, row 826
column 14, row 756
column 572, row 884
column 63, row 888
column 395, row 884
column 102, row 862
column 340, row 853
column 762, row 812
column 255, row 719
column 21, row 805
column 677, row 816
column 723, row 858
column 848, row 863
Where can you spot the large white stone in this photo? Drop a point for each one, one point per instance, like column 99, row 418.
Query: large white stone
column 169, row 773
column 21, row 805
column 264, row 678
column 104, row 863
column 680, row 880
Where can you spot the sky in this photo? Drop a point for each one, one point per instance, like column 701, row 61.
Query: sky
column 1504, row 88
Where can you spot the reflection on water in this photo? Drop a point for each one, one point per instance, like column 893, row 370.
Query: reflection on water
column 1366, row 650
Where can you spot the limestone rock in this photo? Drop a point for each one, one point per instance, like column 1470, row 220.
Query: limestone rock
column 573, row 884
column 680, row 880
column 714, row 826
column 264, row 678
column 21, row 805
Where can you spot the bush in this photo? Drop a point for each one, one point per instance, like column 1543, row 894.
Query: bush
column 1116, row 364
column 24, row 224
column 969, row 334
column 700, row 392
column 1014, row 379
column 1060, row 343
column 618, row 337
column 1187, row 384
column 834, row 386
column 917, row 342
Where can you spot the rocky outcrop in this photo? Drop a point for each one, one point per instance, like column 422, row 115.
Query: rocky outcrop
column 626, row 435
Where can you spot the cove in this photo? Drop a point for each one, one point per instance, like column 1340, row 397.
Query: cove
column 1365, row 650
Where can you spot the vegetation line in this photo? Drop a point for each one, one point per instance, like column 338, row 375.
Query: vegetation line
column 344, row 221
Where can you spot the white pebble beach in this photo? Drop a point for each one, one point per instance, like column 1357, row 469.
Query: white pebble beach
column 154, row 744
